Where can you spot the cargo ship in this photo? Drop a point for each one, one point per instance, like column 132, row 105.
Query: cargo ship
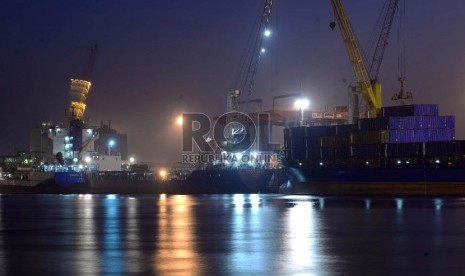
column 200, row 181
column 407, row 150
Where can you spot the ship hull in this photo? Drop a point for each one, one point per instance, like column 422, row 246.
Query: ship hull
column 376, row 181
column 227, row 181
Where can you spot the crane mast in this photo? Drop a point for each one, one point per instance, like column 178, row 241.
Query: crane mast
column 370, row 90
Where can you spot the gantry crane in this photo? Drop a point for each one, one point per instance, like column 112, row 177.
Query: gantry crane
column 368, row 83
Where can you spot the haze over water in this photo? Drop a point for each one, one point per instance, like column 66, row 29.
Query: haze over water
column 230, row 235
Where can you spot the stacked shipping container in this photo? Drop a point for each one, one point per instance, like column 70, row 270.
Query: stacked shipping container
column 400, row 131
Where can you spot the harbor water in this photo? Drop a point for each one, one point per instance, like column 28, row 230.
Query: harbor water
column 230, row 235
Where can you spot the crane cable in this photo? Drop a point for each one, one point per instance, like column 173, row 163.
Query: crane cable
column 402, row 94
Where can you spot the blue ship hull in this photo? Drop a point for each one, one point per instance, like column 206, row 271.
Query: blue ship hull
column 380, row 181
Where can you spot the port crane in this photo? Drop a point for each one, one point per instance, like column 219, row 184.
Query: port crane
column 367, row 80
column 245, row 78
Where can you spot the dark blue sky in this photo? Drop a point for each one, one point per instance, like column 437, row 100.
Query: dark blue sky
column 158, row 58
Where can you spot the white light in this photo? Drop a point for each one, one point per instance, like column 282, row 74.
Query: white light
column 81, row 167
column 408, row 162
column 179, row 120
column 75, row 159
column 302, row 103
column 131, row 159
column 111, row 143
column 163, row 173
column 263, row 50
column 267, row 33
column 89, row 131
column 321, row 163
column 87, row 159
column 368, row 163
column 399, row 162
column 300, row 164
column 437, row 161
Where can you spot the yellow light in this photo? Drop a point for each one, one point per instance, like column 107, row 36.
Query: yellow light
column 162, row 173
column 179, row 120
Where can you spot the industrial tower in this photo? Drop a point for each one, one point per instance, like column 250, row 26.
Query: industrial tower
column 80, row 88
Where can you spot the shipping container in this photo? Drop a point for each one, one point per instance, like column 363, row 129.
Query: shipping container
column 403, row 150
column 370, row 137
column 462, row 146
column 342, row 130
column 297, row 154
column 320, row 131
column 444, row 148
column 402, row 136
column 343, row 152
column 297, row 132
column 441, row 134
column 410, row 110
column 330, row 142
column 421, row 135
column 297, row 142
column 367, row 151
column 313, row 142
column 328, row 153
column 313, row 154
column 373, row 123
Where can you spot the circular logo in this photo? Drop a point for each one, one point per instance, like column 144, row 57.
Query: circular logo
column 234, row 132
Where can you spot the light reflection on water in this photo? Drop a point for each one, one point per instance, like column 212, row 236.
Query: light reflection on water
column 230, row 235
column 300, row 238
column 86, row 237
column 176, row 242
column 113, row 258
column 3, row 267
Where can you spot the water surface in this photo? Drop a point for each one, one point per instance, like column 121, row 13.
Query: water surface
column 230, row 235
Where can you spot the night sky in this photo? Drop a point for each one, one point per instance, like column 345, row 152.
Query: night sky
column 159, row 58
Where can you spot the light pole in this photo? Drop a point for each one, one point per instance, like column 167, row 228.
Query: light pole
column 301, row 104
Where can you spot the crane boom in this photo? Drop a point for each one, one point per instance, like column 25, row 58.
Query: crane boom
column 370, row 90
column 245, row 79
column 383, row 39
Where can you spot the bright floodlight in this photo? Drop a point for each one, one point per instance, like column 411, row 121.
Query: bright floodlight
column 87, row 159
column 179, row 120
column 131, row 159
column 163, row 173
column 263, row 50
column 267, row 33
column 302, row 103
column 111, row 143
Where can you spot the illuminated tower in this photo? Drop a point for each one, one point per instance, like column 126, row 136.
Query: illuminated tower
column 81, row 87
column 78, row 94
